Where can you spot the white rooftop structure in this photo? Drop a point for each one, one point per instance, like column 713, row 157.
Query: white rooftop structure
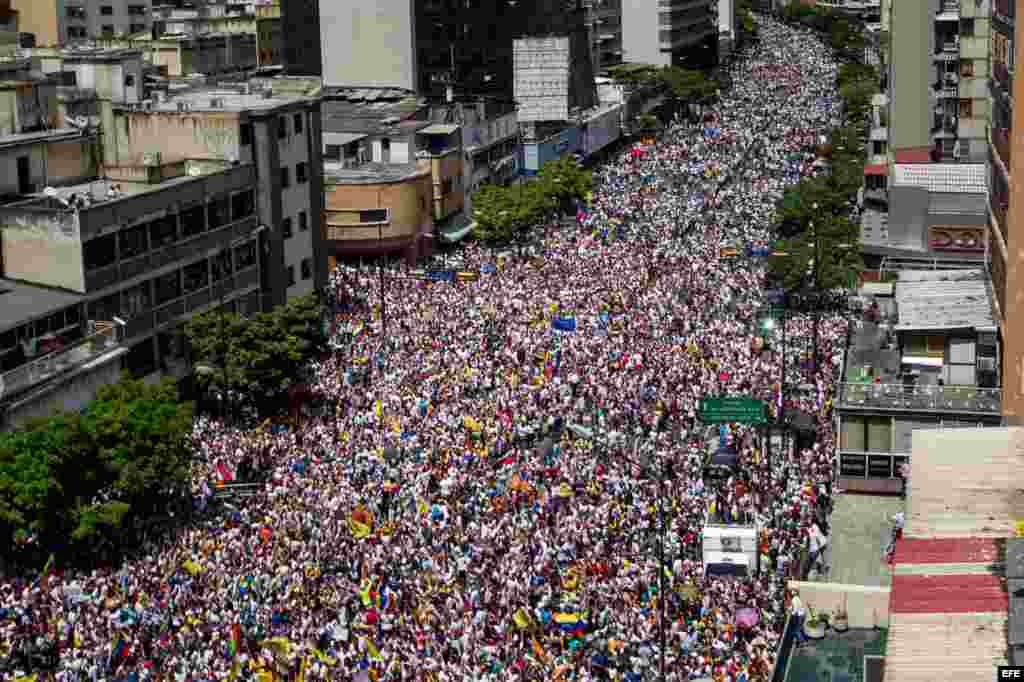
column 964, row 178
column 944, row 299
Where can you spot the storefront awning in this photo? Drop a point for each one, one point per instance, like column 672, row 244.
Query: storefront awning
column 876, row 169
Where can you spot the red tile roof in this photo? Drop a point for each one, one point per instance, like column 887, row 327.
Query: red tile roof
column 947, row 594
column 945, row 550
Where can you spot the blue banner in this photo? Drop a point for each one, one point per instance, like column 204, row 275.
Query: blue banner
column 441, row 275
column 488, row 267
column 564, row 324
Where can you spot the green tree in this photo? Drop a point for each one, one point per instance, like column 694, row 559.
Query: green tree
column 493, row 214
column 824, row 256
column 71, row 480
column 258, row 358
column 565, row 180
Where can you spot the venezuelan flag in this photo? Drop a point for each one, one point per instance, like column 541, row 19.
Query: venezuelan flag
column 570, row 622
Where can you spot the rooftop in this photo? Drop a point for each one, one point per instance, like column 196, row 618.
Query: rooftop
column 836, row 656
column 370, row 173
column 944, row 299
column 230, row 100
column 953, row 496
column 54, row 135
column 860, row 525
column 372, row 114
column 954, row 178
column 20, row 302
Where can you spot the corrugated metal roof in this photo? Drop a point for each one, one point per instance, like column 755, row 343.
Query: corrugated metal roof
column 965, row 483
column 944, row 299
column 942, row 177
column 965, row 647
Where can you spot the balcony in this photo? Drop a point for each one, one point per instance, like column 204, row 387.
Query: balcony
column 53, row 365
column 942, row 399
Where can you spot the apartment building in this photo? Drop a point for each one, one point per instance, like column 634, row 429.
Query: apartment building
column 274, row 125
column 431, row 46
column 938, row 77
column 1001, row 86
column 670, row 32
column 57, row 22
column 604, row 21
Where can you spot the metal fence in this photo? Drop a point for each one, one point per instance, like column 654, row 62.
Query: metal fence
column 913, row 397
column 103, row 340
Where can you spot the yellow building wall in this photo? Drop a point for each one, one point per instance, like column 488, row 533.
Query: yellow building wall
column 448, row 167
column 38, row 17
column 408, row 202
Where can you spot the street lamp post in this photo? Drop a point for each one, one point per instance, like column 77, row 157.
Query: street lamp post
column 383, row 300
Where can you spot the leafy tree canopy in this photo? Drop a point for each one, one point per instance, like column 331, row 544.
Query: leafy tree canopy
column 831, row 240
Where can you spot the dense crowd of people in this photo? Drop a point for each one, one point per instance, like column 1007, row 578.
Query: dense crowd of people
column 481, row 492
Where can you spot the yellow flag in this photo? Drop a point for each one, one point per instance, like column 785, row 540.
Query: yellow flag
column 378, row 408
column 371, row 650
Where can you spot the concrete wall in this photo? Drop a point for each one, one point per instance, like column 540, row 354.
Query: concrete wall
column 39, row 17
column 447, row 168
column 43, row 247
column 640, row 42
column 368, row 44
column 207, row 134
column 912, row 47
column 1013, row 323
column 866, row 607
column 69, row 394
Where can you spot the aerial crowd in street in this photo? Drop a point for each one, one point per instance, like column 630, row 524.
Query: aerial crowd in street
column 480, row 493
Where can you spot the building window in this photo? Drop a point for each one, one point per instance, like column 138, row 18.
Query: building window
column 245, row 134
column 168, row 287
column 133, row 241
column 307, row 268
column 219, row 212
column 129, row 81
column 136, row 300
column 333, row 152
column 286, row 178
column 446, row 186
column 385, row 150
column 282, row 127
column 136, row 28
column 76, row 32
column 108, row 30
column 966, row 28
column 373, row 215
column 220, row 265
column 163, row 231
column 291, row 275
column 75, row 12
column 966, row 108
column 303, row 221
column 286, row 228
column 298, row 123
column 197, row 276
column 243, row 204
column 100, row 252
column 245, row 256
column 967, row 68
column 137, row 10
column 107, row 10
column 193, row 221
column 301, row 173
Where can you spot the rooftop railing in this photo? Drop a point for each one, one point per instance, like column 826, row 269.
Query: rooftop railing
column 926, row 398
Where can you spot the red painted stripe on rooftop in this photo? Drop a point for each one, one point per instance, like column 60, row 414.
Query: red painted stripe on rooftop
column 945, row 551
column 947, row 594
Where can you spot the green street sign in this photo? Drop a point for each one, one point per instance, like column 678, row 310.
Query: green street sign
column 744, row 410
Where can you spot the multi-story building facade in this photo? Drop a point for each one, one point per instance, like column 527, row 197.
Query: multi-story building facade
column 938, row 79
column 56, row 22
column 670, row 32
column 604, row 20
column 1001, row 83
column 302, row 51
column 274, row 125
column 148, row 244
column 431, row 46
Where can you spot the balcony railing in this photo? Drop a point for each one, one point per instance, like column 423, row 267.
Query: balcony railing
column 1001, row 141
column 923, row 398
column 999, row 206
column 860, row 464
column 41, row 369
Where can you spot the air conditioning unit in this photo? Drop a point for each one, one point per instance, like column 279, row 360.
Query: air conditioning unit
column 986, row 364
